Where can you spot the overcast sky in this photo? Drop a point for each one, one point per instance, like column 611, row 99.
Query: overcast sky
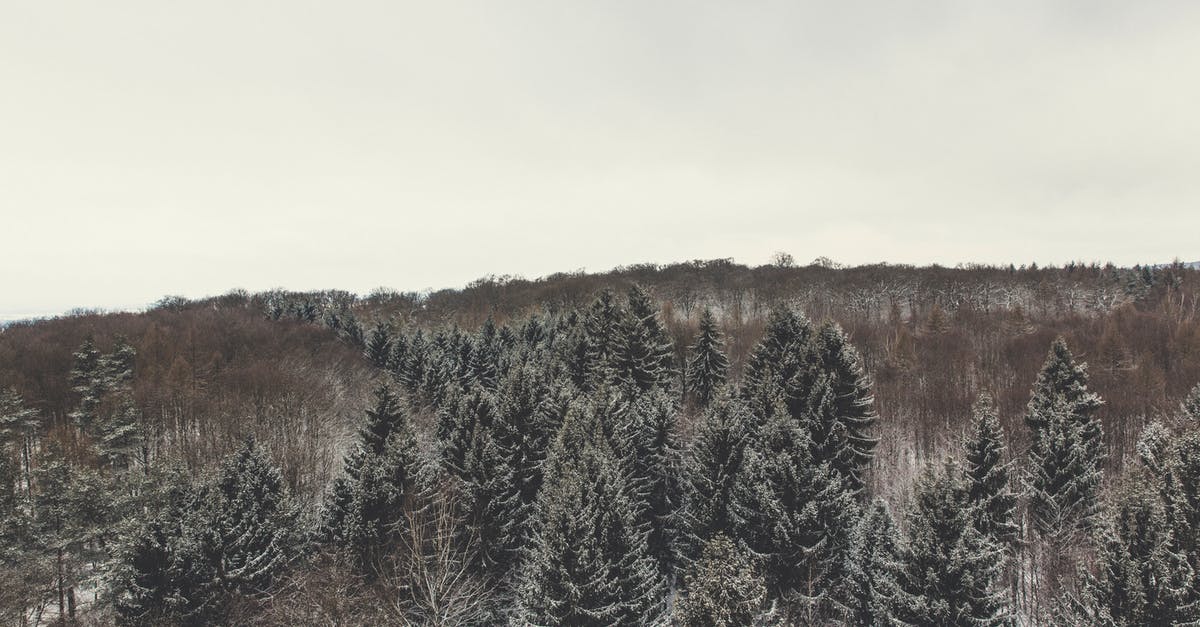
column 152, row 148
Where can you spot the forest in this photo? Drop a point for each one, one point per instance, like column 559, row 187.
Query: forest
column 696, row 444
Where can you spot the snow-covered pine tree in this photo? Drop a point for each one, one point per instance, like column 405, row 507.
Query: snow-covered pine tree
column 589, row 563
column 655, row 461
column 255, row 520
column 485, row 355
column 715, row 497
column 989, row 476
column 88, row 381
column 1153, row 446
column 1061, row 390
column 166, row 567
column 1190, row 407
column 951, row 569
column 708, row 366
column 1141, row 577
column 1064, row 475
column 784, row 350
column 602, row 330
column 644, row 355
column 799, row 516
column 368, row 499
column 870, row 593
column 722, row 589
column 460, row 420
column 378, row 348
column 842, row 430
column 1180, row 490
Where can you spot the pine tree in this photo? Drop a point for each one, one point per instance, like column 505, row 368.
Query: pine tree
column 88, row 381
column 723, row 589
column 870, row 593
column 1180, row 491
column 1153, row 446
column 1061, row 388
column 588, row 564
column 602, row 329
column 989, row 477
column 460, row 421
column 367, row 501
column 1065, row 478
column 715, row 496
column 378, row 348
column 951, row 569
column 255, row 521
column 655, row 464
column 166, row 568
column 643, row 355
column 1141, row 578
column 1067, row 449
column 800, row 517
column 708, row 366
column 784, row 350
column 841, row 430
column 1190, row 407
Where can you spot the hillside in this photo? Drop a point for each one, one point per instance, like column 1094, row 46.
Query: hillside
column 121, row 401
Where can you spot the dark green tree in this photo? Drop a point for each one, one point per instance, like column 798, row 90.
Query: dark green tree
column 722, row 589
column 951, row 569
column 589, row 563
column 255, row 521
column 707, row 366
column 989, row 476
column 870, row 593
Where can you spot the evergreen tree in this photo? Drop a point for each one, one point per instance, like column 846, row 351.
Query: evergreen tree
column 1153, row 446
column 989, row 477
column 800, row 517
column 1141, row 578
column 367, row 502
column 460, row 422
column 951, row 569
column 378, row 348
column 723, row 589
column 1190, row 407
column 655, row 465
column 708, row 366
column 588, row 564
column 643, row 353
column 166, row 568
column 870, row 593
column 783, row 352
column 1061, row 390
column 254, row 522
column 1180, row 491
column 716, row 498
column 1065, row 477
column 88, row 381
column 842, row 406
column 1067, row 449
column 602, row 329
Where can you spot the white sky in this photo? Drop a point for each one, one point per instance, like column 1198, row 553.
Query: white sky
column 151, row 148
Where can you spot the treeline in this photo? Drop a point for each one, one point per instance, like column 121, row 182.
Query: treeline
column 582, row 467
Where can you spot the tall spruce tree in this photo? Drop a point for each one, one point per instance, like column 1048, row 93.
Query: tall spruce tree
column 1180, row 491
column 989, row 476
column 1067, row 450
column 951, row 569
column 1190, row 407
column 366, row 504
column 1141, row 577
column 722, row 589
column 716, row 498
column 707, row 366
column 589, row 563
column 644, row 354
column 1064, row 478
column 603, row 336
column 870, row 593
column 801, row 516
column 255, row 520
column 655, row 461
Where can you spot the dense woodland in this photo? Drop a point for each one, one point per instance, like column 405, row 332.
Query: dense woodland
column 696, row 444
